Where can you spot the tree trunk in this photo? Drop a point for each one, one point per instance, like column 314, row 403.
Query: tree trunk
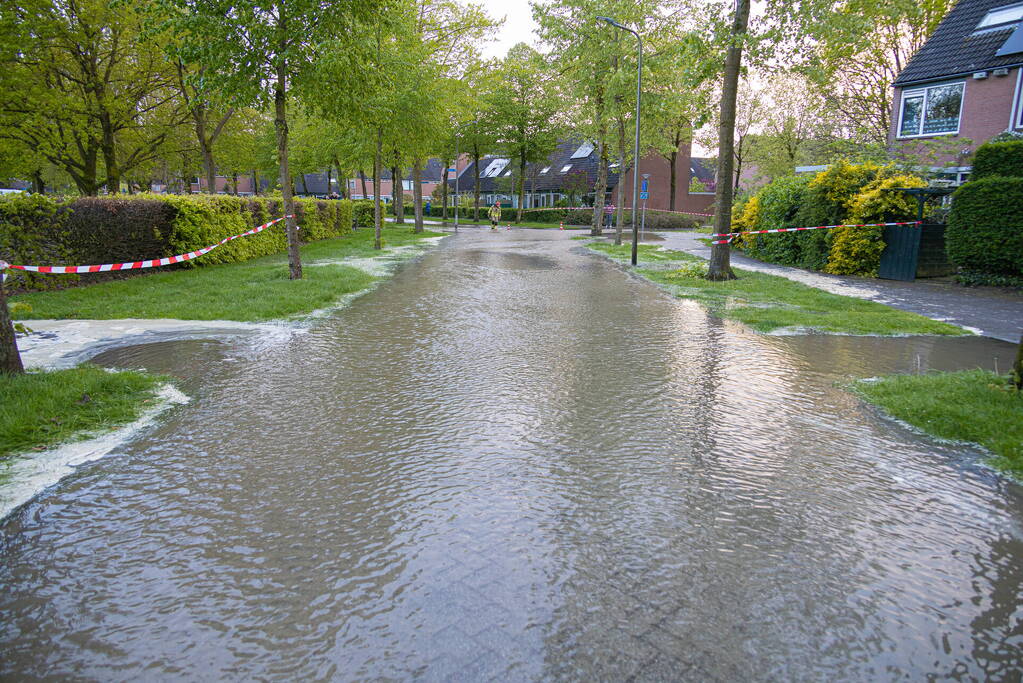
column 597, row 226
column 476, row 183
column 109, row 149
column 621, row 181
column 522, row 186
column 10, row 359
column 38, row 184
column 673, row 163
column 417, row 193
column 444, row 193
column 255, row 182
column 377, row 164
column 330, row 175
column 397, row 194
column 305, row 188
column 720, row 256
column 281, row 126
column 208, row 168
column 362, row 177
column 234, row 183
column 1017, row 367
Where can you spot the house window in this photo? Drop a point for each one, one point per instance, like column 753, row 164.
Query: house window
column 931, row 111
column 545, row 169
column 1001, row 15
column 566, row 168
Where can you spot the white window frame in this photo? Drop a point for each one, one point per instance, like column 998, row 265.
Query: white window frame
column 566, row 168
column 916, row 92
column 986, row 22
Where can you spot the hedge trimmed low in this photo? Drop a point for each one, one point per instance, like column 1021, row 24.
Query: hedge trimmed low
column 985, row 226
column 998, row 159
column 90, row 230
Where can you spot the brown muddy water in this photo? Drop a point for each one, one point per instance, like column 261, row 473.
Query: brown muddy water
column 513, row 461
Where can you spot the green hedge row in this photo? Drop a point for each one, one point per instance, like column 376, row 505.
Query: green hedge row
column 998, row 159
column 40, row 230
column 985, row 226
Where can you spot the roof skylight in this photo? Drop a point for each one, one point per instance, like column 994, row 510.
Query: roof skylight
column 1001, row 15
column 495, row 168
column 584, row 151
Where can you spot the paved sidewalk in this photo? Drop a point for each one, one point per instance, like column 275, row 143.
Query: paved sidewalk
column 988, row 311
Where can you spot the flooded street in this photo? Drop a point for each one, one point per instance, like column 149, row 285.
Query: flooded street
column 514, row 461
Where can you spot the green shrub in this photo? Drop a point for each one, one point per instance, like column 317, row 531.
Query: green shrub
column 96, row 230
column 998, row 159
column 779, row 203
column 33, row 231
column 985, row 226
column 857, row 251
column 362, row 213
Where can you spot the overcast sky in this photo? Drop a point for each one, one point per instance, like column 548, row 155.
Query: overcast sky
column 518, row 25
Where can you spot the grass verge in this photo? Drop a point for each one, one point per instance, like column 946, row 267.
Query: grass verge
column 43, row 409
column 976, row 406
column 249, row 291
column 769, row 302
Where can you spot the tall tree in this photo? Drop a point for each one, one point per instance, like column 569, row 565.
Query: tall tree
column 259, row 52
column 527, row 112
column 858, row 48
column 720, row 267
column 83, row 87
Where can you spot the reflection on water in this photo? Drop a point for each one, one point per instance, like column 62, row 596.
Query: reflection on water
column 512, row 461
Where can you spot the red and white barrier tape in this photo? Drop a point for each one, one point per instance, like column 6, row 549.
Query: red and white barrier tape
column 588, row 208
column 149, row 263
column 733, row 235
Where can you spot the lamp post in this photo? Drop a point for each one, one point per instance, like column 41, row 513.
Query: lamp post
column 457, row 131
column 635, row 153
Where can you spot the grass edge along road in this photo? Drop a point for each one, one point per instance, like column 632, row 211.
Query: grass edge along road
column 250, row 291
column 971, row 406
column 768, row 303
column 43, row 409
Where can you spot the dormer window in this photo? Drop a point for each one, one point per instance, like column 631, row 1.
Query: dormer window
column 1001, row 15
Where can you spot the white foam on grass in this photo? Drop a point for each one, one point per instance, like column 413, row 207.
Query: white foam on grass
column 27, row 475
column 66, row 343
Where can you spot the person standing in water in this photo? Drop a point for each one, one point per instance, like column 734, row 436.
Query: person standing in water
column 494, row 215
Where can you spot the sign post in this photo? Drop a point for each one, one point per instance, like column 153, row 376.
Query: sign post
column 644, row 195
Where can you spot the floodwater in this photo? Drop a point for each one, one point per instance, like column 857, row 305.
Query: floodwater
column 514, row 461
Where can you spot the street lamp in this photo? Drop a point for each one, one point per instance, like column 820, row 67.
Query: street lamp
column 635, row 163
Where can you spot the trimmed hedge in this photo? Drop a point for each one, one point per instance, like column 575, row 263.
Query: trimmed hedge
column 985, row 226
column 998, row 159
column 91, row 230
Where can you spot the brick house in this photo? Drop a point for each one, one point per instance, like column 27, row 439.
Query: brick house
column 963, row 85
column 575, row 163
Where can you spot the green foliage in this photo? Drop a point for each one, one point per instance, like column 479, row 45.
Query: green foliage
column 843, row 193
column 998, row 159
column 33, row 229
column 41, row 230
column 362, row 210
column 46, row 408
column 857, row 251
column 985, row 226
column 973, row 405
column 249, row 291
column 769, row 302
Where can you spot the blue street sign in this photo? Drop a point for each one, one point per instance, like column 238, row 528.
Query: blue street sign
column 645, row 188
column 644, row 195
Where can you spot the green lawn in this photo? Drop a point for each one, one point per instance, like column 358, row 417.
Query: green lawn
column 769, row 302
column 974, row 405
column 248, row 291
column 42, row 409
